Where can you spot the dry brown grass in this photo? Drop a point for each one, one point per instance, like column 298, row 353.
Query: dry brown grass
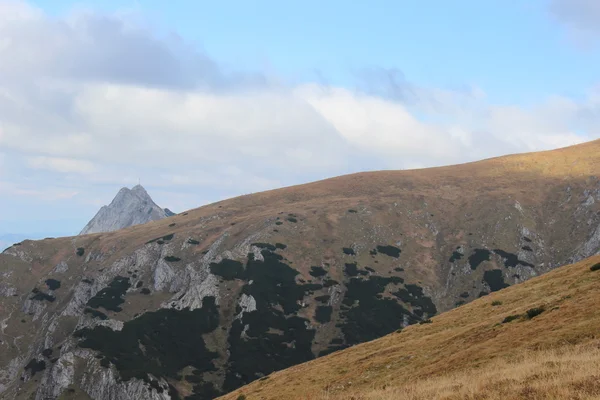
column 565, row 373
column 468, row 353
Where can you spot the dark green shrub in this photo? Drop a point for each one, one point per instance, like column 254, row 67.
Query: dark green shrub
column 241, row 397
column 172, row 259
column 496, row 303
column 390, row 251
column 534, row 312
column 510, row 318
column 348, row 251
column 595, row 267
column 80, row 251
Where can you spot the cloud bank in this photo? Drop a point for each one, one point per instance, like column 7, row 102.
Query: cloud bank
column 90, row 102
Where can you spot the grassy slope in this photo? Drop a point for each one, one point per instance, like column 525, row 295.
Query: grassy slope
column 468, row 352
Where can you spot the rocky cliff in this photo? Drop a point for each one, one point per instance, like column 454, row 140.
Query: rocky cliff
column 130, row 207
column 214, row 298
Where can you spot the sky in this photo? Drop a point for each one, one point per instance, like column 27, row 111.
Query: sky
column 203, row 100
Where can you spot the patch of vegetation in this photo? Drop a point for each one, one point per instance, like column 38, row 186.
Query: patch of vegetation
column 275, row 336
column 281, row 246
column 525, row 238
column 495, row 280
column 172, row 225
column 85, row 280
column 527, row 248
column 323, row 299
column 323, row 314
column 389, row 251
column 369, row 269
column 368, row 317
column 511, row 260
column 352, row 211
column 455, row 256
column 38, row 295
column 351, row 269
column 426, row 321
column 292, row 219
column 194, row 242
column 317, row 271
column 398, row 269
column 478, row 256
column 145, row 291
column 496, row 303
column 160, row 343
column 348, row 251
column 52, row 284
column 413, row 294
column 278, row 223
column 111, row 296
column 204, row 391
column 80, row 251
column 162, row 239
column 227, row 269
column 34, row 366
column 241, row 397
column 459, row 303
column 510, row 318
column 464, row 295
column 95, row 313
column 172, row 259
column 534, row 312
column 595, row 267
column 330, row 282
column 482, row 293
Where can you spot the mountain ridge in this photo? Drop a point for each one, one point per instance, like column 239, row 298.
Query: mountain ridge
column 128, row 208
column 288, row 275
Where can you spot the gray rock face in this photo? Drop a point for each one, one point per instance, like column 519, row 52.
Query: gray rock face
column 130, row 207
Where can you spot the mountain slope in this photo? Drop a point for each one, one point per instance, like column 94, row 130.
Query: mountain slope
column 538, row 339
column 259, row 283
column 129, row 207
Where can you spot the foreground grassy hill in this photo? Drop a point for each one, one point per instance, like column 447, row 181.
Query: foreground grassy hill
column 204, row 302
column 536, row 340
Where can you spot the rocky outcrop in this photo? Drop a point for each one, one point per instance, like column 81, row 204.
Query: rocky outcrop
column 130, row 207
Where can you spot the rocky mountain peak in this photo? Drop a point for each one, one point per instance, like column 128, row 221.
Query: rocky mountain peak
column 129, row 207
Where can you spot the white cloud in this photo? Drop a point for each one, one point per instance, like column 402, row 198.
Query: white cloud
column 66, row 165
column 24, row 190
column 101, row 96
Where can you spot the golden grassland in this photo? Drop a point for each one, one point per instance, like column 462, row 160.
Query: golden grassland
column 469, row 352
column 530, row 173
column 569, row 372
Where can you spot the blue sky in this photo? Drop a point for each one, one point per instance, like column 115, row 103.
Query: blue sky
column 204, row 100
column 489, row 44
